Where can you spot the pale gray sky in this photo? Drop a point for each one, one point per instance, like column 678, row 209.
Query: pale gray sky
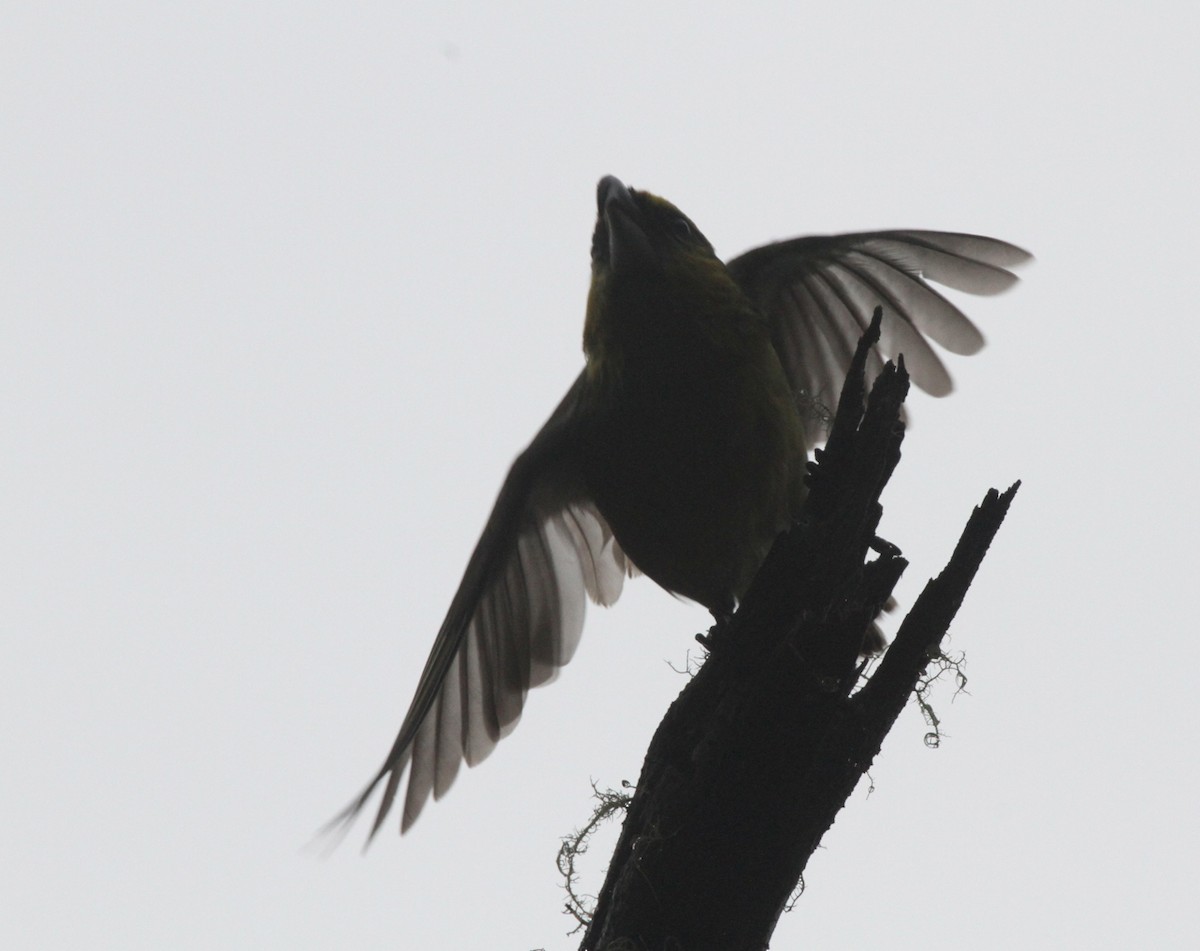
column 286, row 286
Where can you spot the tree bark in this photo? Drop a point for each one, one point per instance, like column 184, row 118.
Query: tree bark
column 760, row 751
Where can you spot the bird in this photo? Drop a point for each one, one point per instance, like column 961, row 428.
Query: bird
column 679, row 452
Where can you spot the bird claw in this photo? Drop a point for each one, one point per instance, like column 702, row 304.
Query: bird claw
column 722, row 617
column 881, row 546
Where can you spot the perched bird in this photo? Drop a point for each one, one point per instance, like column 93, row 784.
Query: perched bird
column 679, row 451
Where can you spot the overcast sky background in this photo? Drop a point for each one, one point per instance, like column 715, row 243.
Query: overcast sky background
column 286, row 286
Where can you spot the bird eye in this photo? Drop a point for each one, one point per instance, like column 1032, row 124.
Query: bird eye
column 680, row 227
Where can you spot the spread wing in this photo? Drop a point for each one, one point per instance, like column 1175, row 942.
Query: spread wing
column 515, row 619
column 820, row 292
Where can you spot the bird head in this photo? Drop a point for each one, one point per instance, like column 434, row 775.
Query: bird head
column 654, row 274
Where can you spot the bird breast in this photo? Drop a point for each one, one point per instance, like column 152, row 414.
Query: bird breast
column 697, row 464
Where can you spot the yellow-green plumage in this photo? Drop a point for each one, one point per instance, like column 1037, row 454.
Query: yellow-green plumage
column 679, row 450
column 694, row 452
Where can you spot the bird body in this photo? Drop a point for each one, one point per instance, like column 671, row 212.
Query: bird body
column 679, row 451
column 694, row 451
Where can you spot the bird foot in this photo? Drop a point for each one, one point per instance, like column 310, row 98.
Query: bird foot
column 718, row 632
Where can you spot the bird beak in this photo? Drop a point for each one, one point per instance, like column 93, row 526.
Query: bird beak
column 620, row 237
column 611, row 189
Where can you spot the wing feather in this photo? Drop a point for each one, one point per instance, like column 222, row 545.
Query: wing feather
column 819, row 292
column 515, row 620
